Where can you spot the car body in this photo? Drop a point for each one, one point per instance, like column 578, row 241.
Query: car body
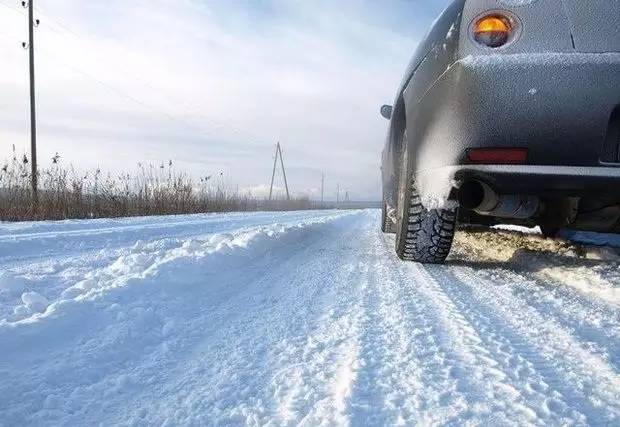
column 527, row 132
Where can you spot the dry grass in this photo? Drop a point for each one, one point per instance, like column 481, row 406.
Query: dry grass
column 150, row 190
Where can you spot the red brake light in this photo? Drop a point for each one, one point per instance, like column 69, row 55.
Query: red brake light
column 497, row 155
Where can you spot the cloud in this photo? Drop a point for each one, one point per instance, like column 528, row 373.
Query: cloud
column 214, row 85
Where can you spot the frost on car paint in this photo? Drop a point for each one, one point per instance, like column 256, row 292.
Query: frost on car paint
column 509, row 111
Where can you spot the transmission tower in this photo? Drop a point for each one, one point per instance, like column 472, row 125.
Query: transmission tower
column 273, row 175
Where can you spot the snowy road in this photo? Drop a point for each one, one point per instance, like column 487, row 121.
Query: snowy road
column 301, row 319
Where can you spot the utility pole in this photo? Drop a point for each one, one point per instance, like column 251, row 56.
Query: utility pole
column 33, row 116
column 322, row 189
column 288, row 196
column 338, row 196
column 273, row 174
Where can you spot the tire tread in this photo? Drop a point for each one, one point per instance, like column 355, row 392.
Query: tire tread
column 429, row 233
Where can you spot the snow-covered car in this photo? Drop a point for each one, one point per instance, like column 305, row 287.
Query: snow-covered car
column 509, row 112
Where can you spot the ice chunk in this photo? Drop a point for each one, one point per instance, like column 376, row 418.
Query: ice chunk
column 35, row 302
column 22, row 311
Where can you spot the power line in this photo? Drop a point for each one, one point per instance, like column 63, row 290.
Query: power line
column 14, row 9
column 100, row 82
column 59, row 23
column 49, row 20
column 108, row 86
column 9, row 37
column 117, row 91
column 88, row 75
column 120, row 92
column 188, row 109
column 77, row 36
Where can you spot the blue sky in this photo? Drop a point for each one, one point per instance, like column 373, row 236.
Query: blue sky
column 213, row 85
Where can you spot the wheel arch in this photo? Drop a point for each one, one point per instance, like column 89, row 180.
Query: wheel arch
column 398, row 126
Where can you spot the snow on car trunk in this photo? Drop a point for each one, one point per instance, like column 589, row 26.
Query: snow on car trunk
column 594, row 24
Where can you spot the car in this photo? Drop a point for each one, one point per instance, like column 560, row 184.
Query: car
column 509, row 112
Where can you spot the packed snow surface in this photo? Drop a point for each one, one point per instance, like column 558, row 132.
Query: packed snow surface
column 303, row 318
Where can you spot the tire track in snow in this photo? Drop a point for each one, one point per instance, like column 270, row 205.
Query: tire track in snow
column 596, row 325
column 404, row 372
column 592, row 321
column 317, row 389
column 279, row 360
column 531, row 376
column 583, row 378
column 482, row 374
column 599, row 287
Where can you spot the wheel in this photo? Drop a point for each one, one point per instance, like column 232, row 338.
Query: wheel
column 422, row 235
column 387, row 225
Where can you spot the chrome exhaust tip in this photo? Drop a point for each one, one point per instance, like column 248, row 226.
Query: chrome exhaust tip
column 481, row 198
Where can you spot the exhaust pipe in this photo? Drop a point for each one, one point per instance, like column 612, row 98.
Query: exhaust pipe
column 482, row 199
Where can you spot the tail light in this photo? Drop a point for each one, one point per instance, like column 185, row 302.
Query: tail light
column 493, row 30
column 497, row 155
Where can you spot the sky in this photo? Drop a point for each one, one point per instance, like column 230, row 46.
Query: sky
column 212, row 86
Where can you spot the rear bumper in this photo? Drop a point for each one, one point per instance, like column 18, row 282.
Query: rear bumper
column 436, row 186
column 542, row 180
column 558, row 106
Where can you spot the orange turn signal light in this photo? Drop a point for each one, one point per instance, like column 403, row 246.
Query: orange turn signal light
column 497, row 155
column 492, row 30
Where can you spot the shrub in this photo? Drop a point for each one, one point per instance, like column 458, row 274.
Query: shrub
column 150, row 190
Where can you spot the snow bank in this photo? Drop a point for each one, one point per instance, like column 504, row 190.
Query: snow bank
column 118, row 332
column 174, row 262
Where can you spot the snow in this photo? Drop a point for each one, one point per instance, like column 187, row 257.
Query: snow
column 301, row 318
column 516, row 3
column 451, row 31
column 518, row 229
column 535, row 59
column 34, row 302
column 434, row 187
column 11, row 284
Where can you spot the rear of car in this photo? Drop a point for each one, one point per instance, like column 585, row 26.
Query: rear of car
column 516, row 114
